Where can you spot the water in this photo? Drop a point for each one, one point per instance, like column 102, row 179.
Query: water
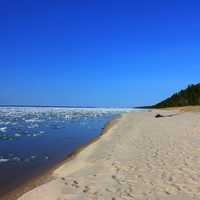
column 35, row 139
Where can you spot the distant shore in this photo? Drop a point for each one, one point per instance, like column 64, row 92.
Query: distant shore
column 140, row 157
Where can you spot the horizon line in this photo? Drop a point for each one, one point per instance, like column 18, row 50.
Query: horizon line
column 57, row 106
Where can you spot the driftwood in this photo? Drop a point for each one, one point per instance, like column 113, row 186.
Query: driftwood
column 159, row 115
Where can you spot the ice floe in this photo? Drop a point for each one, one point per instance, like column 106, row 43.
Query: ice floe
column 3, row 129
column 2, row 160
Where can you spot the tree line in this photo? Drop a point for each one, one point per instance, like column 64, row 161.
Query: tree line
column 187, row 97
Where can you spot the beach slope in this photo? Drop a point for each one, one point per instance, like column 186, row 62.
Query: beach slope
column 140, row 157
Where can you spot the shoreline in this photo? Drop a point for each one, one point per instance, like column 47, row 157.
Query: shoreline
column 47, row 175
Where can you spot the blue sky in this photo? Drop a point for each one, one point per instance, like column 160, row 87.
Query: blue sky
column 97, row 53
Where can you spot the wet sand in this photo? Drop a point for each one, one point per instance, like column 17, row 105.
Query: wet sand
column 140, row 157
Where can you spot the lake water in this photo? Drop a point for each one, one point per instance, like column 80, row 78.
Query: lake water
column 33, row 139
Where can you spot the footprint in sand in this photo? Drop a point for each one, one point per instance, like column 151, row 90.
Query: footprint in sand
column 75, row 184
column 86, row 189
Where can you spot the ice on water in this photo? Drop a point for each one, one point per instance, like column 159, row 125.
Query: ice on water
column 16, row 122
column 24, row 122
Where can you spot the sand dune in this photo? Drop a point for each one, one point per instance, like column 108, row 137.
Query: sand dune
column 141, row 157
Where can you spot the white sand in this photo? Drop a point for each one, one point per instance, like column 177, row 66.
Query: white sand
column 141, row 157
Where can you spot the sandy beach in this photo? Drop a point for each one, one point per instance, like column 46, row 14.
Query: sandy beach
column 140, row 157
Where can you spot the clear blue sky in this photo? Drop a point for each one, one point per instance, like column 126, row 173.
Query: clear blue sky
column 97, row 52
